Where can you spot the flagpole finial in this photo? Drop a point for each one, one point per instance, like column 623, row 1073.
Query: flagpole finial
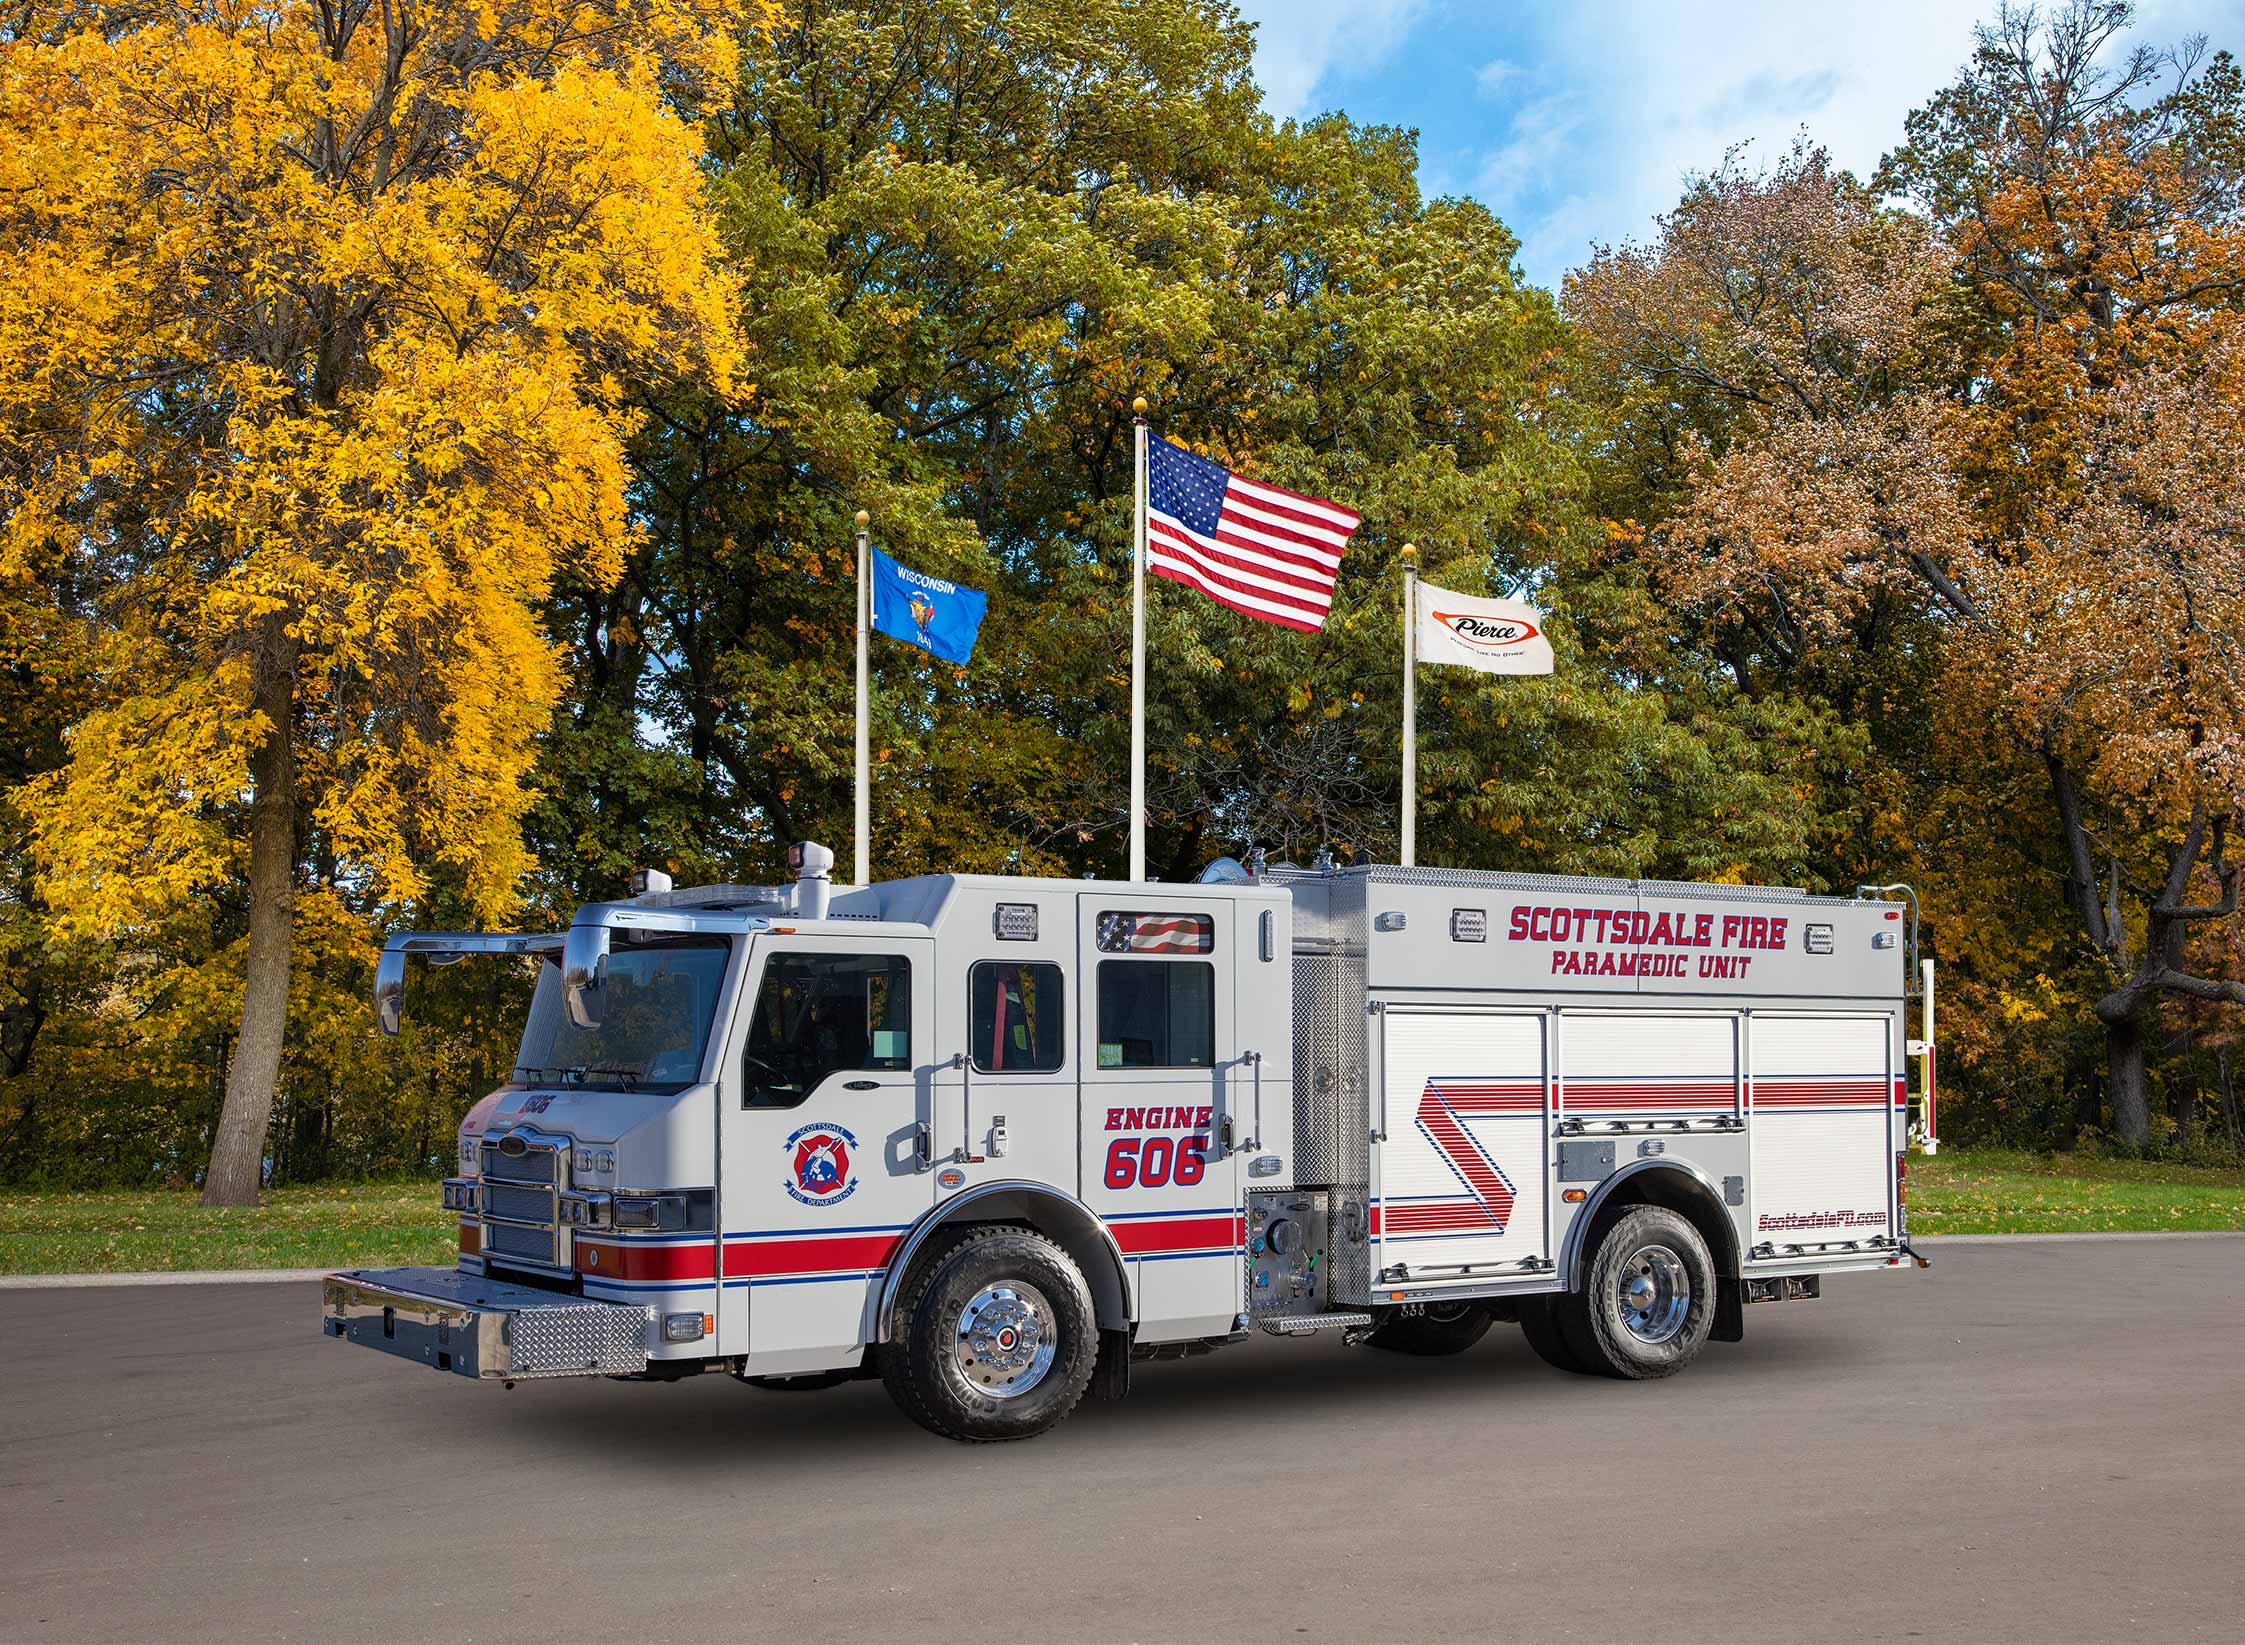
column 1410, row 551
column 1138, row 406
column 863, row 519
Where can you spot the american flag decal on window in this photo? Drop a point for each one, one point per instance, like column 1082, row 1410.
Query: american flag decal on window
column 1156, row 934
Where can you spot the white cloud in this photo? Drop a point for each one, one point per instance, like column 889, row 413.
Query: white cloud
column 1534, row 156
column 1492, row 77
column 1666, row 88
column 1301, row 42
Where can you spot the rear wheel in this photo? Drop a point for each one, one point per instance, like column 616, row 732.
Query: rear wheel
column 996, row 1339
column 1438, row 1328
column 1648, row 1300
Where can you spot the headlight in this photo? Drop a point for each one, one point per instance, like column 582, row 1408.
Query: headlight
column 462, row 1195
column 659, row 1212
column 470, row 1153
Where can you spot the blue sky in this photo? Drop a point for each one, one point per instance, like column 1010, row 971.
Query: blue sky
column 1576, row 123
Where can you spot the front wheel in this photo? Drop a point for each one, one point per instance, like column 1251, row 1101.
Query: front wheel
column 997, row 1339
column 1647, row 1302
column 1438, row 1328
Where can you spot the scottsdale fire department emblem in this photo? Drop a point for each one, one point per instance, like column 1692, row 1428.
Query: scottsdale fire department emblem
column 819, row 1165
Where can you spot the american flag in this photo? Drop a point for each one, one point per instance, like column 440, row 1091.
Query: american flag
column 1156, row 934
column 1269, row 553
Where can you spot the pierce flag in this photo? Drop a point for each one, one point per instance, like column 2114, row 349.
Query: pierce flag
column 1494, row 636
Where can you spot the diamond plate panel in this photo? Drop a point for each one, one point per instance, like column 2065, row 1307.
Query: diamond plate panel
column 1332, row 1077
column 598, row 1339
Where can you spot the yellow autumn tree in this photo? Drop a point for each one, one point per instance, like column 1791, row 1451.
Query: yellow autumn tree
column 314, row 366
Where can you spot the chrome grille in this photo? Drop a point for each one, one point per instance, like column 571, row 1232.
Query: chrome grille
column 506, row 1240
column 537, row 1164
column 518, row 1203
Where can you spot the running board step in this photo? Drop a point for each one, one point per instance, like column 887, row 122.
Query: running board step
column 1294, row 1325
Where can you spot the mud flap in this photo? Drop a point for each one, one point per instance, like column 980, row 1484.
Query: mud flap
column 1730, row 1310
column 1110, row 1374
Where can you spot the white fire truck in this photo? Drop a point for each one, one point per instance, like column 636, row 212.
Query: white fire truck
column 993, row 1140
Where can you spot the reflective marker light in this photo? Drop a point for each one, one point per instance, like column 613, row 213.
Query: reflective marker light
column 1469, row 925
column 1818, row 939
column 1016, row 922
column 685, row 1327
column 660, row 1212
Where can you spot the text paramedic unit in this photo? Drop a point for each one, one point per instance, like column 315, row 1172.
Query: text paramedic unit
column 993, row 1140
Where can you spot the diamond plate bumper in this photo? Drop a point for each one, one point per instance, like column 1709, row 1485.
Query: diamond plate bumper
column 483, row 1328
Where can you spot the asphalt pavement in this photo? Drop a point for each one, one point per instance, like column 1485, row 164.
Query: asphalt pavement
column 2030, row 1442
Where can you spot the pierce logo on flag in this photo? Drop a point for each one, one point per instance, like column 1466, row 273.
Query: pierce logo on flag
column 1494, row 636
column 1269, row 553
column 1484, row 634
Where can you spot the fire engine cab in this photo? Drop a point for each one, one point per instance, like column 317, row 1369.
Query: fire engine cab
column 993, row 1140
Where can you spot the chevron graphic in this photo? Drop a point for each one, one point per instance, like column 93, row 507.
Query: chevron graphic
column 1488, row 1185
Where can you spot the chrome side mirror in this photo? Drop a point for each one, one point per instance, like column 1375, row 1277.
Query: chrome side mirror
column 389, row 990
column 584, row 969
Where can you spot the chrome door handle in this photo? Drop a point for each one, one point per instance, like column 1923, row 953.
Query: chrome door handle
column 1254, row 1060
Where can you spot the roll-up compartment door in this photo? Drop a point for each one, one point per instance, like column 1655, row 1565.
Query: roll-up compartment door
column 1822, row 1161
column 1462, row 1174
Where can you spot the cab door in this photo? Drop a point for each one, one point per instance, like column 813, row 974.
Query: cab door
column 1162, row 1076
column 822, row 1141
column 1007, row 1110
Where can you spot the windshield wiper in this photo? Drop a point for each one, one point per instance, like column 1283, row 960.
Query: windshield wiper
column 630, row 1077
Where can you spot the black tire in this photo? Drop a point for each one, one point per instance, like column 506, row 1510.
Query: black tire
column 1017, row 1293
column 1539, row 1323
column 1443, row 1328
column 809, row 1382
column 1661, row 1256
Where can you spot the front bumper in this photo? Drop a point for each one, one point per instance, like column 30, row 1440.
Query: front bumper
column 484, row 1328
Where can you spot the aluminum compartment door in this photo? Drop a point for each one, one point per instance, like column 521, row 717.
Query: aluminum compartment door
column 1822, row 1152
column 1650, row 1065
column 1463, row 1173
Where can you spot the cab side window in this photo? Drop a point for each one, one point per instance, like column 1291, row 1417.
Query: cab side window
column 821, row 1014
column 1157, row 1014
column 1017, row 1017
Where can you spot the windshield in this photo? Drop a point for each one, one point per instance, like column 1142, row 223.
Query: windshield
column 656, row 1007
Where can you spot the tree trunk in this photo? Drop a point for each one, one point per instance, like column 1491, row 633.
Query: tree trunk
column 2124, row 1067
column 238, row 1150
column 2229, row 1098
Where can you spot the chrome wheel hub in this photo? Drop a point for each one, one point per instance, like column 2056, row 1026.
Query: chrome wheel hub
column 1653, row 1293
column 1004, row 1343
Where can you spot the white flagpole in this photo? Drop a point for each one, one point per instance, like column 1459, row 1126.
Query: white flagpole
column 864, row 861
column 1138, row 651
column 1410, row 705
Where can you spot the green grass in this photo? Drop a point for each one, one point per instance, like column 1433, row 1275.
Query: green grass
column 1960, row 1191
column 1993, row 1191
column 364, row 1225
